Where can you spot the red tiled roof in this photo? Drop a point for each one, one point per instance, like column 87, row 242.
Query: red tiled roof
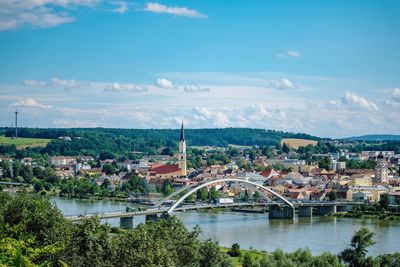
column 267, row 172
column 164, row 169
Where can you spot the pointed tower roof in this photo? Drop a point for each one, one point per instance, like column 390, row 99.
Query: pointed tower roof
column 182, row 138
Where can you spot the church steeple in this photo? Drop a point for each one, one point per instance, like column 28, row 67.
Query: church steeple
column 182, row 152
column 182, row 134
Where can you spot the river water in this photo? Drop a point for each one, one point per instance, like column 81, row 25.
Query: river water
column 256, row 231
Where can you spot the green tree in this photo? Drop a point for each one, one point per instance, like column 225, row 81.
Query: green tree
column 234, row 251
column 285, row 148
column 167, row 188
column 355, row 256
column 5, row 167
column 384, row 202
column 202, row 194
column 26, row 172
column 247, row 260
column 214, row 194
column 109, row 169
column 106, row 183
column 332, row 195
column 89, row 244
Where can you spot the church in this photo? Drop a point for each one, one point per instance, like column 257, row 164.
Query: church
column 171, row 171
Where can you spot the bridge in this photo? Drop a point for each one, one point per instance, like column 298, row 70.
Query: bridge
column 281, row 208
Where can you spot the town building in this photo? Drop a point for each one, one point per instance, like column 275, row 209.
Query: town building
column 381, row 169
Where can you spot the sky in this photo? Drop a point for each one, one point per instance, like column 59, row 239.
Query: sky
column 326, row 68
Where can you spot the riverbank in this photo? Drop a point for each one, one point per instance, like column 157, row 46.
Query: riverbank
column 382, row 215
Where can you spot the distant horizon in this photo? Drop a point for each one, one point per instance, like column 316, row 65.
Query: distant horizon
column 326, row 68
column 178, row 128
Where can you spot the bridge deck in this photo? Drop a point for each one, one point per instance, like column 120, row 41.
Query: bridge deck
column 151, row 211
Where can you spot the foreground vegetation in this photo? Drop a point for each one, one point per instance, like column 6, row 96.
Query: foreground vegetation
column 33, row 232
column 380, row 211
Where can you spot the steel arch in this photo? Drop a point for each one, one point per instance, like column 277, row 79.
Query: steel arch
column 176, row 204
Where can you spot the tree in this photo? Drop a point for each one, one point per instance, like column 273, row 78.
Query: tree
column 332, row 195
column 214, row 194
column 234, row 251
column 257, row 196
column 202, row 194
column 247, row 260
column 106, row 183
column 167, row 188
column 109, row 169
column 27, row 173
column 5, row 167
column 285, row 148
column 355, row 255
column 384, row 202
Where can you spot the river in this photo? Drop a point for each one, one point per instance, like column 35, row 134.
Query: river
column 256, row 231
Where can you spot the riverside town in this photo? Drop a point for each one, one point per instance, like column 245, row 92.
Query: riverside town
column 200, row 133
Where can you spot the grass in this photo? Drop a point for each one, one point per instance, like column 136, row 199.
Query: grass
column 255, row 255
column 296, row 143
column 24, row 142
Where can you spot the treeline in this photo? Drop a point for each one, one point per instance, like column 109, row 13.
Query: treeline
column 92, row 141
column 33, row 232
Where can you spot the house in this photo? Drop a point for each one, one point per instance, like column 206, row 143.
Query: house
column 268, row 173
column 60, row 161
column 166, row 171
column 394, row 198
column 27, row 161
column 360, row 180
column 362, row 196
column 127, row 164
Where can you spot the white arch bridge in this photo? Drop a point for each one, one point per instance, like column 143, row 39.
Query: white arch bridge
column 284, row 209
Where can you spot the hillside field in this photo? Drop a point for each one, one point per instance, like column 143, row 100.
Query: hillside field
column 296, row 143
column 24, row 142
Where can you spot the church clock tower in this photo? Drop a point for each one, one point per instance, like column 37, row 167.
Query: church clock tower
column 182, row 152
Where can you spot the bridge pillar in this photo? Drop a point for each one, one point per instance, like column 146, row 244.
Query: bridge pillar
column 152, row 217
column 277, row 212
column 343, row 208
column 126, row 222
column 305, row 211
column 323, row 210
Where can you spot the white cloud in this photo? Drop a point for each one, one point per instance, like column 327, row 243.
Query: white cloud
column 66, row 83
column 396, row 94
column 124, row 87
column 39, row 13
column 35, row 83
column 30, row 102
column 216, row 118
column 123, row 7
column 192, row 88
column 177, row 11
column 291, row 53
column 165, row 84
column 283, row 84
column 352, row 98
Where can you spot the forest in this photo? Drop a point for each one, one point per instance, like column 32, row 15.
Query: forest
column 92, row 141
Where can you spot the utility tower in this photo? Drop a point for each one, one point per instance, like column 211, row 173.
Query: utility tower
column 16, row 123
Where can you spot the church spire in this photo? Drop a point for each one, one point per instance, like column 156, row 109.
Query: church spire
column 182, row 133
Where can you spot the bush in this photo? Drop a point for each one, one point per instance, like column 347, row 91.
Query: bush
column 234, row 251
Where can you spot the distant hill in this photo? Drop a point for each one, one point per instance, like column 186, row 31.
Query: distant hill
column 92, row 141
column 375, row 137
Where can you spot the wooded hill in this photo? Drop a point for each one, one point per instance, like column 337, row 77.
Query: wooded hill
column 94, row 140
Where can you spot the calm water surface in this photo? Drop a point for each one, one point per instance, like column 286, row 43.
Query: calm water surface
column 256, row 230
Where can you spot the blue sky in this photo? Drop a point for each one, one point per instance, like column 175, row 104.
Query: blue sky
column 329, row 68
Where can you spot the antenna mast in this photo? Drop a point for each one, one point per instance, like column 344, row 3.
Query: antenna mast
column 16, row 123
